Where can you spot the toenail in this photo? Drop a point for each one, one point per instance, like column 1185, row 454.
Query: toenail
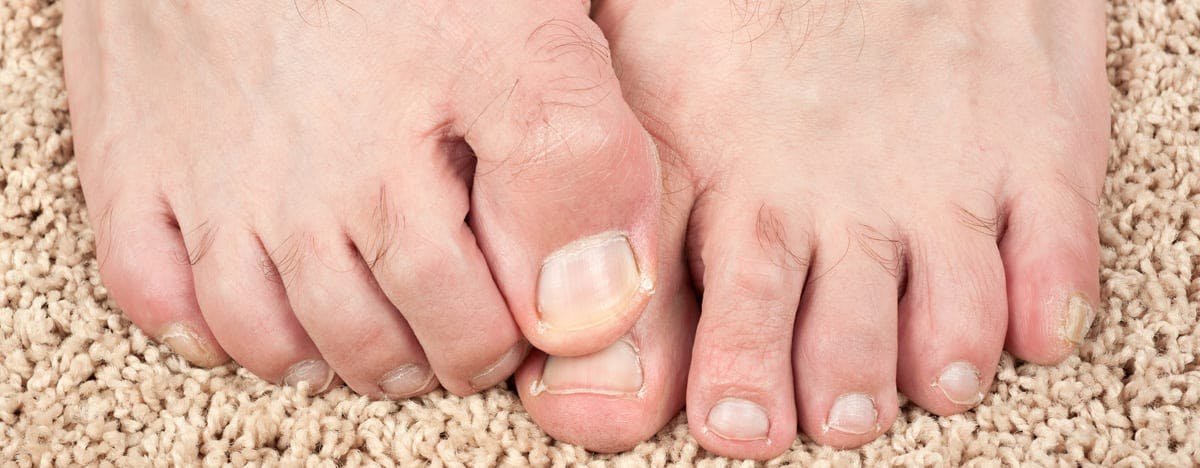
column 1078, row 319
column 588, row 282
column 502, row 368
column 960, row 383
column 189, row 345
column 738, row 419
column 614, row 371
column 314, row 372
column 853, row 413
column 406, row 381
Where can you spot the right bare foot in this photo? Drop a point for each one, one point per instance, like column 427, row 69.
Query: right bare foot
column 288, row 183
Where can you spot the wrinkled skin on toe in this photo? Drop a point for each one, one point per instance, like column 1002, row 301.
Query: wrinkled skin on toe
column 395, row 195
column 886, row 196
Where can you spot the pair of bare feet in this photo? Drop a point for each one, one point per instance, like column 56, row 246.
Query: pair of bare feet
column 872, row 197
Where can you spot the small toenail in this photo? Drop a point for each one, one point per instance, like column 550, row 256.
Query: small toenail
column 960, row 383
column 189, row 345
column 853, row 413
column 314, row 372
column 406, row 381
column 502, row 368
column 614, row 371
column 1078, row 319
column 588, row 282
column 738, row 419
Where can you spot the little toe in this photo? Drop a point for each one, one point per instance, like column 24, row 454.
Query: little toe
column 845, row 346
column 565, row 201
column 145, row 267
column 1051, row 261
column 952, row 318
column 741, row 400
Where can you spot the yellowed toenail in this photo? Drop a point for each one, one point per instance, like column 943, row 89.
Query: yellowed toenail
column 1077, row 320
column 589, row 282
column 853, row 413
column 960, row 383
column 612, row 371
column 502, row 368
column 189, row 345
column 406, row 381
column 313, row 372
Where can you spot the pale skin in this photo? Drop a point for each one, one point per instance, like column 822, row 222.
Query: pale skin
column 872, row 197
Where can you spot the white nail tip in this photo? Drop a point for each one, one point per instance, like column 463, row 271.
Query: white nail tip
column 960, row 383
column 738, row 419
column 854, row 414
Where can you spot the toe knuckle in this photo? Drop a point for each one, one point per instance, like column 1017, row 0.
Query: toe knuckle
column 417, row 264
column 756, row 280
column 558, row 138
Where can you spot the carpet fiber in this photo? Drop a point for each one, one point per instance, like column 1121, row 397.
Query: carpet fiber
column 80, row 385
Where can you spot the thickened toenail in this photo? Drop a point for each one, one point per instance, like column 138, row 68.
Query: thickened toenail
column 406, row 381
column 186, row 343
column 738, row 419
column 502, row 368
column 315, row 372
column 1078, row 319
column 960, row 383
column 615, row 370
column 853, row 413
column 587, row 282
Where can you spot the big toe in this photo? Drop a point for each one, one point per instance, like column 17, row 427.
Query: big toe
column 617, row 397
column 621, row 395
column 566, row 193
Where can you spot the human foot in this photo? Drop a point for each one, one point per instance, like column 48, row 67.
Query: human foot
column 287, row 182
column 882, row 190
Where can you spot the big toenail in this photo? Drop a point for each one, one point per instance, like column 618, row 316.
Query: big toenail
column 189, row 345
column 314, row 372
column 853, row 413
column 1078, row 319
column 502, row 368
column 738, row 419
column 588, row 282
column 614, row 371
column 960, row 383
column 406, row 381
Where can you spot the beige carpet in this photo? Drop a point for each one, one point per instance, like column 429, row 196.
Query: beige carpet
column 80, row 385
